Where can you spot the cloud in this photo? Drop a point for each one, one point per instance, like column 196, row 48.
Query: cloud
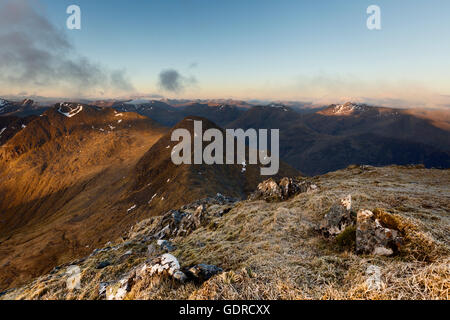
column 171, row 80
column 37, row 55
column 325, row 88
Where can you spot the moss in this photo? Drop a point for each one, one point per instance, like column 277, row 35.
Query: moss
column 347, row 238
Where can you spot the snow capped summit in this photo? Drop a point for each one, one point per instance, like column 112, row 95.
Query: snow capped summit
column 3, row 102
column 278, row 105
column 69, row 110
column 348, row 108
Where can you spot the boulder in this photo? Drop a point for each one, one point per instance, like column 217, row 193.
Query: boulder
column 166, row 245
column 373, row 280
column 167, row 265
column 373, row 238
column 338, row 218
column 118, row 290
column 103, row 264
column 102, row 289
column 203, row 272
column 269, row 190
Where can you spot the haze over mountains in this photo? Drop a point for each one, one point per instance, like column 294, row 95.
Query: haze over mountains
column 317, row 141
column 314, row 140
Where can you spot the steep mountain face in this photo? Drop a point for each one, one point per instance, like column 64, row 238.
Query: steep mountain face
column 160, row 184
column 60, row 178
column 78, row 176
column 221, row 114
column 159, row 111
column 167, row 115
column 341, row 135
column 10, row 125
column 24, row 108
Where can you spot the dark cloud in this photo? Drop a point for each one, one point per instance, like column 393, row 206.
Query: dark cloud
column 34, row 53
column 171, row 80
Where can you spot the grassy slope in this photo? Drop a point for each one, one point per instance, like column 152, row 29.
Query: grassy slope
column 271, row 250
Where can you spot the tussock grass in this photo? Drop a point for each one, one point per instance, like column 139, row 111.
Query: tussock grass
column 273, row 251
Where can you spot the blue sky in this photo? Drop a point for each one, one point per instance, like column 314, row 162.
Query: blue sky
column 268, row 49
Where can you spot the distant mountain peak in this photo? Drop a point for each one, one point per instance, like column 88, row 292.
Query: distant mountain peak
column 346, row 109
column 278, row 105
column 2, row 102
column 349, row 107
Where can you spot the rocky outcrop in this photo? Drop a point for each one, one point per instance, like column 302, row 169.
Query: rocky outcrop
column 203, row 272
column 338, row 218
column 270, row 190
column 165, row 266
column 190, row 217
column 166, row 245
column 373, row 238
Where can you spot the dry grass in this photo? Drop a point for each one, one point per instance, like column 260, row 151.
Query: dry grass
column 272, row 251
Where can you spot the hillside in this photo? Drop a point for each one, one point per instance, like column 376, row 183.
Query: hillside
column 160, row 185
column 168, row 115
column 340, row 135
column 58, row 176
column 256, row 249
column 78, row 175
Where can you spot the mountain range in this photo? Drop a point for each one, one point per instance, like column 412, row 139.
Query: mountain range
column 316, row 141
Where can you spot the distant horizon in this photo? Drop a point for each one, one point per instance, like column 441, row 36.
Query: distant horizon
column 249, row 101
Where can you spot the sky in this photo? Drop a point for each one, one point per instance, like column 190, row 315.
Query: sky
column 315, row 51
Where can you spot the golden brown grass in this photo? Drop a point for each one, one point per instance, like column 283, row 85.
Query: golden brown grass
column 272, row 251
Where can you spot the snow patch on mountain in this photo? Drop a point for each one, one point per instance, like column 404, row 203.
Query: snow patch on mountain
column 348, row 108
column 68, row 110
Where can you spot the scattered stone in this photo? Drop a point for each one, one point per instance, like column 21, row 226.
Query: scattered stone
column 102, row 288
column 103, row 264
column 203, row 272
column 166, row 263
column 151, row 250
column 74, row 277
column 124, row 257
column 166, row 245
column 373, row 238
column 338, row 218
column 373, row 281
column 118, row 290
column 55, row 270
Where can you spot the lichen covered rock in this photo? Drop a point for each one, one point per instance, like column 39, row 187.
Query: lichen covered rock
column 338, row 218
column 270, row 190
column 203, row 272
column 373, row 238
